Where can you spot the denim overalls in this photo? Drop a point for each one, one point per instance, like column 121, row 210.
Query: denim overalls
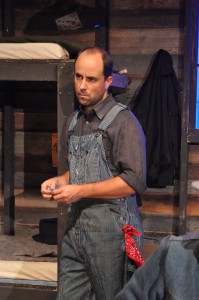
column 93, row 263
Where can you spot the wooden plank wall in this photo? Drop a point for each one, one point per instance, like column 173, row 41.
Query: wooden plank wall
column 137, row 30
column 35, row 122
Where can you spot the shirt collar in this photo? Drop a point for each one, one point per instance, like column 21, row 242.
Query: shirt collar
column 103, row 107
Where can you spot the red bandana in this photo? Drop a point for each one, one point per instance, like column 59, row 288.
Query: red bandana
column 131, row 247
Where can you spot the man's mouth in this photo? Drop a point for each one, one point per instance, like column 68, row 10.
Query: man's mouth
column 83, row 96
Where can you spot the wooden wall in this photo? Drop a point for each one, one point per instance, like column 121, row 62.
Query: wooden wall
column 137, row 30
column 35, row 122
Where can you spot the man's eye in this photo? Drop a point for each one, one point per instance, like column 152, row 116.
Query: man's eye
column 91, row 79
column 78, row 76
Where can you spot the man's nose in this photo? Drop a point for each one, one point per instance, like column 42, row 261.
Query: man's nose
column 83, row 84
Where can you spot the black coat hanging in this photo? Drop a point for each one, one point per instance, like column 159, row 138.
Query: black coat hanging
column 157, row 109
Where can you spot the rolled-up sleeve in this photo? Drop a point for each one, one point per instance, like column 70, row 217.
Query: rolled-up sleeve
column 128, row 150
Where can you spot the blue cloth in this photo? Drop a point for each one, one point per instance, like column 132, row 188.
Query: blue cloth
column 172, row 272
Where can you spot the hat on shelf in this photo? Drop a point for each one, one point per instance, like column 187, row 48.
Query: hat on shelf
column 47, row 231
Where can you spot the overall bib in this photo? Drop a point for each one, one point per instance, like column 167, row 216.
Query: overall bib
column 93, row 263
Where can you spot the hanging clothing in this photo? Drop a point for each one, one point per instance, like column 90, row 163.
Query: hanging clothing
column 156, row 108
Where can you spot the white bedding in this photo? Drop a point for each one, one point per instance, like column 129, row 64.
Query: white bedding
column 32, row 51
column 28, row 270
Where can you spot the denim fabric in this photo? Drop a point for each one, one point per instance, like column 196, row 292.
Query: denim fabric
column 171, row 273
column 93, row 263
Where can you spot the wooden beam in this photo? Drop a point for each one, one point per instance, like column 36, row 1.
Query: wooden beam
column 8, row 28
column 23, row 292
column 65, row 106
column 185, row 116
column 9, row 198
column 102, row 24
column 8, row 150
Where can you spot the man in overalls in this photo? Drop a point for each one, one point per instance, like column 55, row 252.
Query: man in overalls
column 105, row 169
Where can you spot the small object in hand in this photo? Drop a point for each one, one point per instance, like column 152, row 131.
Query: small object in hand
column 51, row 189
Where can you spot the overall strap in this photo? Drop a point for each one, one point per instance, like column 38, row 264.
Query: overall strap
column 108, row 119
column 110, row 116
column 74, row 121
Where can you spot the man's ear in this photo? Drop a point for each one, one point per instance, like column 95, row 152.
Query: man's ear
column 108, row 82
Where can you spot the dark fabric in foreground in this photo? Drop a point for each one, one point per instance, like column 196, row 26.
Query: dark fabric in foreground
column 172, row 272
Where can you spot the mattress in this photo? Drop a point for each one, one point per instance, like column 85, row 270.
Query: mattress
column 37, row 51
column 26, row 270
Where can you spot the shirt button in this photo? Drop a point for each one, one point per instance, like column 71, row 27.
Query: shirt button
column 87, row 122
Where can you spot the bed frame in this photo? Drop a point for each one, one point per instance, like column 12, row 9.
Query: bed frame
column 61, row 72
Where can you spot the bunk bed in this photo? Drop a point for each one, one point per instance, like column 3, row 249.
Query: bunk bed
column 32, row 61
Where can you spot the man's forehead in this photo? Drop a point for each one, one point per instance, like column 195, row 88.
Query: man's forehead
column 90, row 57
column 89, row 63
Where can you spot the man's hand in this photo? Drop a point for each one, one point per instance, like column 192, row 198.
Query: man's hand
column 67, row 194
column 52, row 184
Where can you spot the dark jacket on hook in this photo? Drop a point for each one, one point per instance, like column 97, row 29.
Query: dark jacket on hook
column 156, row 107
